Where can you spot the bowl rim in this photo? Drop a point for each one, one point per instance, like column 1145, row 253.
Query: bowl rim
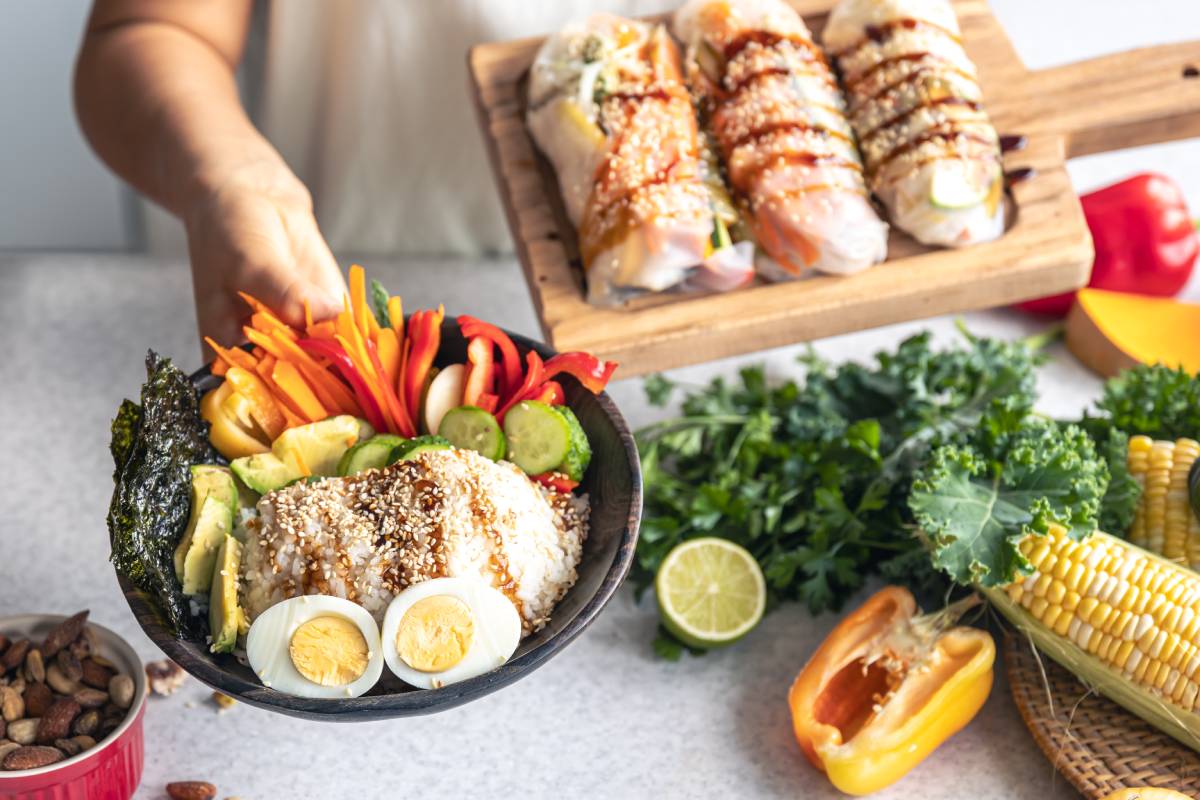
column 414, row 702
column 31, row 622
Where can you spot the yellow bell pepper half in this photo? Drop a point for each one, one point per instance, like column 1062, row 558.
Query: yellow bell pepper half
column 886, row 688
column 221, row 408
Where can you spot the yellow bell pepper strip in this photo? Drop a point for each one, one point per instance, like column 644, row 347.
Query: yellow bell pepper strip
column 510, row 359
column 396, row 316
column 263, row 408
column 886, row 688
column 403, row 425
column 593, row 373
column 388, row 345
column 425, row 335
column 535, row 376
column 329, row 350
column 292, row 413
column 230, row 438
column 481, row 371
column 292, row 384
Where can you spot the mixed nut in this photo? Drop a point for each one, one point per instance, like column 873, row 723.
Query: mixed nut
column 57, row 698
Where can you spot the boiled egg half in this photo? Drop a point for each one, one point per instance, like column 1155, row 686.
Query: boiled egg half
column 316, row 646
column 446, row 630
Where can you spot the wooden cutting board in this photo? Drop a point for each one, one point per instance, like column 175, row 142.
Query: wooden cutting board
column 1116, row 101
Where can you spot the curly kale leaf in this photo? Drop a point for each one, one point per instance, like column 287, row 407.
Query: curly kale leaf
column 154, row 446
column 1156, row 401
column 976, row 502
column 1121, row 499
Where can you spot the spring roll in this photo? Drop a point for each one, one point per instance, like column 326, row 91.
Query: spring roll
column 770, row 101
column 932, row 155
column 609, row 109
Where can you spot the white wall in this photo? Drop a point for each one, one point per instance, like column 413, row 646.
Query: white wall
column 53, row 192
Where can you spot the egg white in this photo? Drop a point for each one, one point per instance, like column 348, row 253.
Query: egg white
column 497, row 630
column 271, row 634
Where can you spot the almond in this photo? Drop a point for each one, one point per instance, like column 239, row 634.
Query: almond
column 12, row 705
column 38, row 698
column 14, row 656
column 56, row 722
column 95, row 674
column 23, row 731
column 32, row 757
column 191, row 790
column 90, row 698
column 65, row 633
column 69, row 747
column 35, row 666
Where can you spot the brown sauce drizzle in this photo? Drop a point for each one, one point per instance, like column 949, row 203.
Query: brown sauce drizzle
column 1012, row 142
column 899, row 118
column 780, row 127
column 769, row 72
column 802, row 159
column 928, row 136
column 944, row 66
column 878, row 34
column 887, row 62
column 1019, row 174
column 736, row 45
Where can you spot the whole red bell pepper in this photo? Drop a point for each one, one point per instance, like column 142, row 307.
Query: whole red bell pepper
column 510, row 359
column 1145, row 239
column 593, row 373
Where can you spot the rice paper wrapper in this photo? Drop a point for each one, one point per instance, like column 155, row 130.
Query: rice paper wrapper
column 911, row 200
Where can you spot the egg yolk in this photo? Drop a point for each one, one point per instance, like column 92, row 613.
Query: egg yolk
column 330, row 651
column 435, row 633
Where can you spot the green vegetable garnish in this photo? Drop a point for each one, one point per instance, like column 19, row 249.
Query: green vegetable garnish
column 379, row 304
column 1155, row 401
column 154, row 446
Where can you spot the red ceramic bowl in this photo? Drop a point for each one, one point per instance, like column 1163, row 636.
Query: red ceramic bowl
column 112, row 769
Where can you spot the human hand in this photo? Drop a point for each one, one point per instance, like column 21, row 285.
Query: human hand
column 254, row 231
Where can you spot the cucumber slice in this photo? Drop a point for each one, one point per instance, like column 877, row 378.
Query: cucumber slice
column 575, row 463
column 370, row 454
column 414, row 447
column 445, row 392
column 952, row 188
column 472, row 428
column 539, row 438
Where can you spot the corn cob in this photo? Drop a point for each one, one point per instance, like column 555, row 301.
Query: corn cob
column 1125, row 621
column 1164, row 522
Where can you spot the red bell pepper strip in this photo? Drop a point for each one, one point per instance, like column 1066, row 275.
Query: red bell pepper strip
column 404, row 425
column 593, row 373
column 556, row 481
column 481, row 371
column 1145, row 240
column 534, row 377
column 510, row 359
column 343, row 364
column 425, row 334
column 488, row 402
column 550, row 393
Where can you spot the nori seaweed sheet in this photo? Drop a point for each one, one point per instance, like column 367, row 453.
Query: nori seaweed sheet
column 154, row 446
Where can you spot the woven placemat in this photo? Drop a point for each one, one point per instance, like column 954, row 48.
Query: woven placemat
column 1098, row 746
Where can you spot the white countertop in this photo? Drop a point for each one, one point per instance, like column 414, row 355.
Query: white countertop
column 603, row 719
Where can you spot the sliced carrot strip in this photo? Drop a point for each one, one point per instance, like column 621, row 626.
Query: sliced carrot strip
column 262, row 308
column 264, row 341
column 358, row 300
column 219, row 367
column 234, row 356
column 269, row 324
column 368, row 374
column 263, row 408
column 336, row 393
column 292, row 384
column 322, row 330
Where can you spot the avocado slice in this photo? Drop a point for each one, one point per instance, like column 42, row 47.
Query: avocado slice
column 225, row 617
column 313, row 449
column 214, row 500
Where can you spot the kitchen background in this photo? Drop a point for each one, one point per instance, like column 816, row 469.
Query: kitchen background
column 54, row 194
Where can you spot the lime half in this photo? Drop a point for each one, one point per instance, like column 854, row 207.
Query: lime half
column 710, row 592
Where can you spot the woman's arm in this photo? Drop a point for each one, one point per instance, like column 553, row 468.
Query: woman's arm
column 156, row 96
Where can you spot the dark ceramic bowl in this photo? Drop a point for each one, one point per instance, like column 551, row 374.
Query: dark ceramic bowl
column 614, row 487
